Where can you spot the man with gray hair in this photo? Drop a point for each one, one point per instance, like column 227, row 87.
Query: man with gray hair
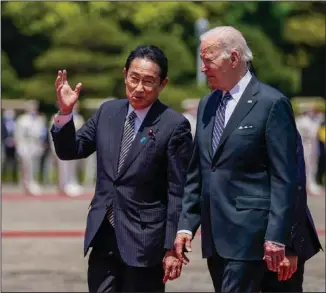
column 242, row 176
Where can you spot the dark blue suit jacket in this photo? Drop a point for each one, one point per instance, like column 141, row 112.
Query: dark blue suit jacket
column 147, row 193
column 304, row 237
column 244, row 193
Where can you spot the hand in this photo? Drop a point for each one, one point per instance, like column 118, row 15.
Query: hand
column 183, row 240
column 172, row 266
column 67, row 98
column 274, row 255
column 287, row 268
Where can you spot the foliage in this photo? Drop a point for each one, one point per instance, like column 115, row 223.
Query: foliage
column 93, row 39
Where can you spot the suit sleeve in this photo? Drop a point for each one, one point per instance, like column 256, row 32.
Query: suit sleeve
column 72, row 145
column 179, row 152
column 281, row 140
column 190, row 215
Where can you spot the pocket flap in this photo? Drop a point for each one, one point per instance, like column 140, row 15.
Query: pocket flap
column 259, row 203
column 152, row 215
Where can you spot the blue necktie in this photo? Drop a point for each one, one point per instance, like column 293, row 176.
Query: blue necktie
column 219, row 121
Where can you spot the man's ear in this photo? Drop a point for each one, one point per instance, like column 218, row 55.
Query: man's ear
column 235, row 58
column 164, row 83
column 125, row 72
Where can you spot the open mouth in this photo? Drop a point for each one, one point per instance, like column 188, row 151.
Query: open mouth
column 137, row 98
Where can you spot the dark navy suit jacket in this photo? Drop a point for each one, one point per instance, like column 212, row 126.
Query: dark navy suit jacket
column 244, row 193
column 147, row 193
column 304, row 237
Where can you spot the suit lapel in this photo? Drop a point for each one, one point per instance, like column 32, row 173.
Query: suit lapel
column 145, row 133
column 245, row 104
column 117, row 126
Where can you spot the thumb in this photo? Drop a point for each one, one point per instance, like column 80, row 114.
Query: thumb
column 188, row 244
column 78, row 88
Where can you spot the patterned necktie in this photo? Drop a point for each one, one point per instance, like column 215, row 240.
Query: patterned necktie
column 219, row 121
column 127, row 138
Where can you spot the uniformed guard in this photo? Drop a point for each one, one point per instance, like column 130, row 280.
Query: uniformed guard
column 29, row 142
column 68, row 170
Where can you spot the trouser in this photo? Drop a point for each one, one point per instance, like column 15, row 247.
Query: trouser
column 107, row 272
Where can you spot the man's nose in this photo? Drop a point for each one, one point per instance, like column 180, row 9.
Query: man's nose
column 139, row 87
column 203, row 68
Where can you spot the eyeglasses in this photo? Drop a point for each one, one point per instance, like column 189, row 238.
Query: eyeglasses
column 134, row 81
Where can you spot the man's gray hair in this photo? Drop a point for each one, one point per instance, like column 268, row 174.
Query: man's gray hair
column 230, row 39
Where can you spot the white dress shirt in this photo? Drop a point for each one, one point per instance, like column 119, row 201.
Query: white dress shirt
column 236, row 92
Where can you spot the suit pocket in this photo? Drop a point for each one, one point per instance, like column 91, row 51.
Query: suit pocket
column 246, row 132
column 252, row 203
column 152, row 215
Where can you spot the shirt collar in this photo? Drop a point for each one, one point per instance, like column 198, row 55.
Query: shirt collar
column 141, row 114
column 237, row 91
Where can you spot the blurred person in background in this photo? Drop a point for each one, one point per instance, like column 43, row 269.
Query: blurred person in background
column 29, row 137
column 10, row 164
column 67, row 170
column 307, row 125
column 143, row 149
column 241, row 181
column 4, row 135
column 46, row 162
column 190, row 107
column 304, row 240
column 321, row 165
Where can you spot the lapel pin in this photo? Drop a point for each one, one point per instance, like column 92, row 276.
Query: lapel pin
column 151, row 133
column 143, row 139
column 249, row 101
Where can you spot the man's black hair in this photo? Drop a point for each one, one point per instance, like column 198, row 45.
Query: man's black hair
column 153, row 53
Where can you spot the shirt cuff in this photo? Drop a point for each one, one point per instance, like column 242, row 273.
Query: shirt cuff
column 277, row 243
column 185, row 231
column 61, row 120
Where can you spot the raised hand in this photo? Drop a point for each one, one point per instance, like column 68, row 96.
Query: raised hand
column 67, row 98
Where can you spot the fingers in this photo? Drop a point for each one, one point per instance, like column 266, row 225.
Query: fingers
column 276, row 259
column 78, row 88
column 286, row 271
column 58, row 81
column 181, row 242
column 188, row 244
column 274, row 255
column 176, row 271
column 280, row 273
column 167, row 272
column 172, row 270
column 59, row 88
column 268, row 260
column 64, row 76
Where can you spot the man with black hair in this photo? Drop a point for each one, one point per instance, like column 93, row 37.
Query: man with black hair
column 143, row 148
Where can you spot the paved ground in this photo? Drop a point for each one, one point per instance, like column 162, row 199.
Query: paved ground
column 54, row 262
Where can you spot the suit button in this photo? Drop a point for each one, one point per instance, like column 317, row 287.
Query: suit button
column 299, row 187
column 301, row 239
column 110, row 253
